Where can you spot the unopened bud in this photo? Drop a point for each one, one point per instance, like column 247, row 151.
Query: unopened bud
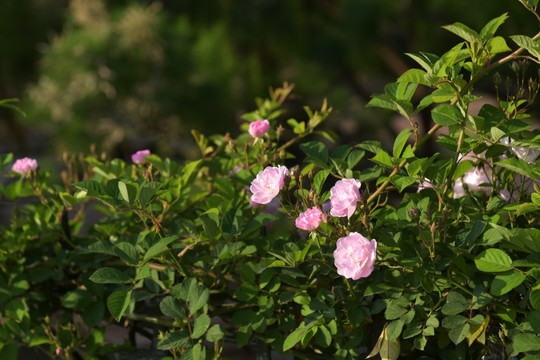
column 497, row 78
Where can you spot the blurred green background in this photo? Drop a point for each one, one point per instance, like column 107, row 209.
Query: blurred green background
column 127, row 75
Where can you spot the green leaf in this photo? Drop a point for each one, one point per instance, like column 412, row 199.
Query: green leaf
column 171, row 307
column 462, row 167
column 402, row 182
column 319, row 179
column 143, row 273
column 197, row 299
column 447, row 61
column 93, row 314
column 394, row 329
column 147, row 192
column 497, row 45
column 16, row 309
column 175, row 340
column 118, row 302
column 9, row 352
column 491, row 27
column 383, row 158
column 315, row 150
column 295, row 337
column 506, row 281
column 497, row 133
column 413, row 329
column 534, row 319
column 158, row 247
column 493, row 260
column 534, row 297
column 107, row 275
column 92, row 187
column 127, row 252
column 76, row 299
column 372, row 146
column 395, row 309
column 415, row 76
column 355, row 157
column 455, row 304
column 128, row 192
column 382, row 101
column 528, row 44
column 323, row 336
column 426, row 60
column 200, row 325
column 210, row 222
column 458, row 333
column 526, row 342
column 445, row 114
column 400, row 142
column 188, row 172
column 390, row 349
column 443, row 93
column 215, row 333
column 420, row 342
column 518, row 166
column 463, row 31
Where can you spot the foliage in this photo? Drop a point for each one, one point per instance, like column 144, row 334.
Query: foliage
column 181, row 247
column 113, row 70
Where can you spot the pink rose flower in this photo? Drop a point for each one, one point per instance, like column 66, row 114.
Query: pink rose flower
column 267, row 184
column 138, row 157
column 344, row 196
column 259, row 128
column 24, row 165
column 310, row 219
column 354, row 256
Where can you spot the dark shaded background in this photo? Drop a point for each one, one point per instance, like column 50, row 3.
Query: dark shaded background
column 127, row 75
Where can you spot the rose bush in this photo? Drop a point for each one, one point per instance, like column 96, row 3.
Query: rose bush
column 399, row 268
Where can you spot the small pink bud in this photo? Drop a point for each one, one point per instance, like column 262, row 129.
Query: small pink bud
column 259, row 128
column 58, row 351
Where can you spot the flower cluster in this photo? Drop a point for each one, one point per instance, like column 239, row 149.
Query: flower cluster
column 354, row 255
